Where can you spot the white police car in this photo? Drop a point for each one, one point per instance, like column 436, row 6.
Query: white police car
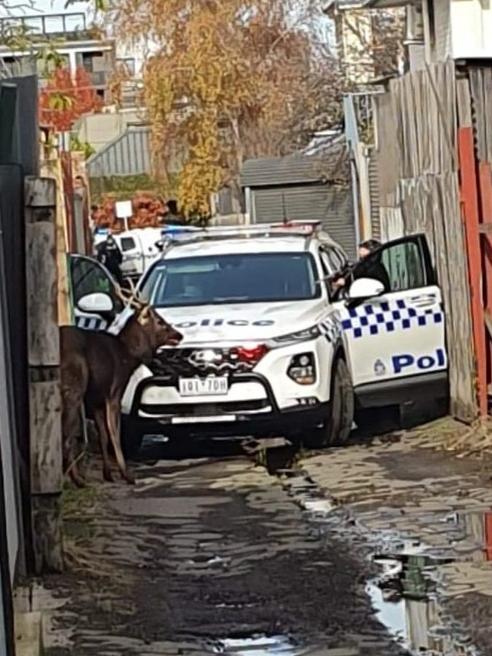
column 268, row 350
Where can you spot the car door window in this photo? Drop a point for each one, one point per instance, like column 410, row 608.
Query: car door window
column 325, row 264
column 89, row 277
column 405, row 267
column 332, row 260
column 127, row 244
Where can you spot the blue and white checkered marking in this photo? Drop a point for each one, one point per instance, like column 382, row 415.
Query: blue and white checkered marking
column 331, row 329
column 90, row 323
column 386, row 317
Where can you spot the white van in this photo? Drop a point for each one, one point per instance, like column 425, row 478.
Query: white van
column 138, row 247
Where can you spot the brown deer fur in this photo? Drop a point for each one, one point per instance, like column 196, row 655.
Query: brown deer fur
column 96, row 368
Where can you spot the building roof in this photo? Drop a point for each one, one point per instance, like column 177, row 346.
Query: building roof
column 128, row 154
column 325, row 159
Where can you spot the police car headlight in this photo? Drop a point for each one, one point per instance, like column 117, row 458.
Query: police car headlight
column 300, row 336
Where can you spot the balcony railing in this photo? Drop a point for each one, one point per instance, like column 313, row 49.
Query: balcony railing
column 41, row 27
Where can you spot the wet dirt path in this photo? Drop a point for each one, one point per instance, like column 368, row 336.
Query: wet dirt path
column 425, row 515
column 211, row 555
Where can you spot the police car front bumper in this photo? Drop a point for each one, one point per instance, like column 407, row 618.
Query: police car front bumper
column 260, row 416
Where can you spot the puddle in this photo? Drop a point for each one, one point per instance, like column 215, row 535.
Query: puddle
column 404, row 597
column 404, row 594
column 261, row 645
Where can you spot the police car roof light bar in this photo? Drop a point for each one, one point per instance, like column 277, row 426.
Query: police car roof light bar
column 301, row 228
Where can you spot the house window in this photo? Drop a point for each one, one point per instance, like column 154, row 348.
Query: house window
column 93, row 61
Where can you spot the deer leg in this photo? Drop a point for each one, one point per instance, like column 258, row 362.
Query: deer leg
column 71, row 431
column 113, row 419
column 100, row 419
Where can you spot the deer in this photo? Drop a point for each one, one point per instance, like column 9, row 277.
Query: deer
column 95, row 370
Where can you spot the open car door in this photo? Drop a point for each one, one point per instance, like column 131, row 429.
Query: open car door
column 400, row 333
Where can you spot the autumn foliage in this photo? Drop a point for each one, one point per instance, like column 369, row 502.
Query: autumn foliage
column 148, row 212
column 231, row 81
column 64, row 100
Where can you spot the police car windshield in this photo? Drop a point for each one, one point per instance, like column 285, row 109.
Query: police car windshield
column 237, row 278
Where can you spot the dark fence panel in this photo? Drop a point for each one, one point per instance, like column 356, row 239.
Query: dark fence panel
column 13, row 230
column 25, row 133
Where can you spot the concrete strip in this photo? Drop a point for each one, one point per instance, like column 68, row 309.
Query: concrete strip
column 28, row 632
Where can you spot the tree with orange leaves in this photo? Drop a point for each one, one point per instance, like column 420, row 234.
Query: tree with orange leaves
column 64, row 100
column 228, row 80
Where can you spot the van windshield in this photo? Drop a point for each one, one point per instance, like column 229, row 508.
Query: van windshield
column 237, row 278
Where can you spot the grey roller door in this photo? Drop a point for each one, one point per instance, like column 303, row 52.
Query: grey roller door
column 330, row 205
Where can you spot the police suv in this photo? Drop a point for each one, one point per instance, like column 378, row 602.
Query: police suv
column 270, row 348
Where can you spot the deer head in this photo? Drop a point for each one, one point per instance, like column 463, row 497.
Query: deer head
column 146, row 330
column 159, row 331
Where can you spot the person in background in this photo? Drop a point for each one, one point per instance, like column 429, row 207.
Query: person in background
column 109, row 254
column 172, row 215
column 368, row 247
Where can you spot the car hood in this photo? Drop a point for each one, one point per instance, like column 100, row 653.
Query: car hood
column 239, row 322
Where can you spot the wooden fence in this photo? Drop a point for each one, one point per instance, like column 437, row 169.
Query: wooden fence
column 475, row 137
column 44, row 372
column 419, row 190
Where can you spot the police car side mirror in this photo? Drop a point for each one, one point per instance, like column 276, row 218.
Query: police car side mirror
column 364, row 288
column 98, row 303
column 159, row 245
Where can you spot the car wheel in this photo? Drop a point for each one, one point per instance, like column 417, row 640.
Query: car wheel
column 131, row 437
column 336, row 429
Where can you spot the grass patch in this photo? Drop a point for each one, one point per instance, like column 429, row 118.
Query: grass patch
column 79, row 501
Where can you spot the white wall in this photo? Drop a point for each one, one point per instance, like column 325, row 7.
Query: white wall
column 462, row 30
column 100, row 129
column 471, row 22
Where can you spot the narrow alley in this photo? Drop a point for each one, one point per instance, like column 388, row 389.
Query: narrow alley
column 346, row 553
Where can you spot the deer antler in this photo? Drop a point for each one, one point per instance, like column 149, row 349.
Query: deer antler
column 131, row 298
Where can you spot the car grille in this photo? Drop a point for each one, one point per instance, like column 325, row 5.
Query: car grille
column 204, row 409
column 188, row 362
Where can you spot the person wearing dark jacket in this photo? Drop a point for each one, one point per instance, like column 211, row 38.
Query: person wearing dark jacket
column 366, row 267
column 109, row 254
column 371, row 267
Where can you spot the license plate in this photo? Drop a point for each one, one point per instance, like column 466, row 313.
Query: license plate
column 212, row 386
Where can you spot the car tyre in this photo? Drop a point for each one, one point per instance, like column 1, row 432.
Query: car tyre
column 335, row 430
column 131, row 437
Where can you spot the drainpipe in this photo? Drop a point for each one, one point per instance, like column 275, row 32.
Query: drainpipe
column 355, row 196
column 352, row 138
